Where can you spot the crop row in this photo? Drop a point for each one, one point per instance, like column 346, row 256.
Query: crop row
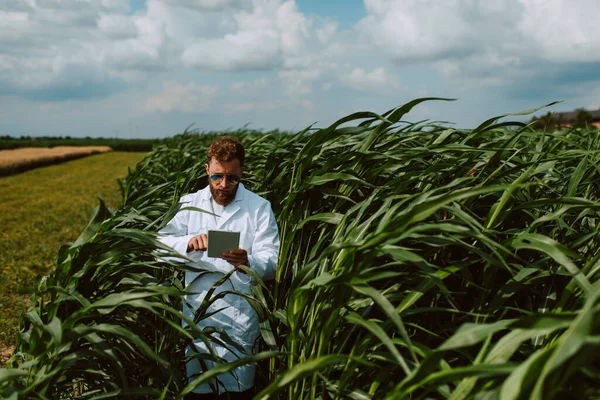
column 417, row 261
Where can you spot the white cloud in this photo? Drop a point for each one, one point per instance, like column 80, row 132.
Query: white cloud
column 501, row 44
column 249, row 88
column 146, row 49
column 325, row 33
column 265, row 37
column 562, row 30
column 415, row 31
column 93, row 50
column 488, row 69
column 69, row 49
column 376, row 81
column 253, row 106
column 117, row 26
column 8, row 18
column 293, row 27
column 186, row 98
column 217, row 35
column 307, row 105
column 210, row 5
column 245, row 50
column 298, row 82
column 268, row 106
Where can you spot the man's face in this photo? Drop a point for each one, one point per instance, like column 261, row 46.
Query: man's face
column 224, row 187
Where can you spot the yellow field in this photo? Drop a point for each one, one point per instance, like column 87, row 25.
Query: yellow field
column 17, row 160
column 42, row 209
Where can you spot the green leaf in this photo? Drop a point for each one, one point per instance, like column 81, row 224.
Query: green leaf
column 335, row 177
column 553, row 249
column 469, row 334
column 99, row 216
column 525, row 375
column 389, row 310
column 576, row 177
column 330, row 218
column 299, row 371
column 7, row 375
column 569, row 343
column 378, row 331
column 224, row 368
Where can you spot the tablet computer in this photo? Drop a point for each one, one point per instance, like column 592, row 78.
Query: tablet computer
column 220, row 242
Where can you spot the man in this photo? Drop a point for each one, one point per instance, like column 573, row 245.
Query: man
column 236, row 209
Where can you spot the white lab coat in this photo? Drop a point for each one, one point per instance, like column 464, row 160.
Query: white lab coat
column 253, row 217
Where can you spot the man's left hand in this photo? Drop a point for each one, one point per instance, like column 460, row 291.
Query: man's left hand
column 236, row 257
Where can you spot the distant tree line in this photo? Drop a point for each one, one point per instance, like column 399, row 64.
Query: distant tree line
column 580, row 118
column 145, row 145
column 9, row 142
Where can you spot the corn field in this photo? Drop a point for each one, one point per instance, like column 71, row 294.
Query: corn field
column 417, row 261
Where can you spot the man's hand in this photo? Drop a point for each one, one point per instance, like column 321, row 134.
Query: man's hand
column 236, row 257
column 198, row 242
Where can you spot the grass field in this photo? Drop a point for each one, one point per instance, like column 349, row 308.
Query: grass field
column 42, row 209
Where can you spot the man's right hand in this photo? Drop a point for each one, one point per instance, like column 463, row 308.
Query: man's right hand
column 198, row 242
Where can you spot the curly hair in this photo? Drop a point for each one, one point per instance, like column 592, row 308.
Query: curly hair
column 226, row 148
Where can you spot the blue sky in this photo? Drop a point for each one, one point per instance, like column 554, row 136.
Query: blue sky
column 150, row 68
column 135, row 6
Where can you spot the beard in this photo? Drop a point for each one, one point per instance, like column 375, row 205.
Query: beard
column 223, row 196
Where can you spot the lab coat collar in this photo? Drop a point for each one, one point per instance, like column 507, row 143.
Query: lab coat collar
column 231, row 208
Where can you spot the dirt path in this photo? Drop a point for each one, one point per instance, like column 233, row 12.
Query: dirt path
column 5, row 353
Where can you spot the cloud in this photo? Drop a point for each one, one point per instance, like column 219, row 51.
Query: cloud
column 376, row 81
column 57, row 50
column 253, row 106
column 293, row 27
column 325, row 33
column 184, row 98
column 523, row 52
column 416, row 31
column 562, row 31
column 148, row 48
column 245, row 50
column 210, row 5
column 264, row 38
column 249, row 88
column 307, row 105
column 508, row 43
column 268, row 106
column 12, row 18
column 556, row 82
column 214, row 35
column 298, row 82
column 117, row 26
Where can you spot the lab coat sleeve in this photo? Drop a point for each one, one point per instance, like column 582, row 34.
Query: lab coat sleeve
column 175, row 233
column 265, row 249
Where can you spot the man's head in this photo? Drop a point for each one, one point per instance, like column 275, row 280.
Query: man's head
column 224, row 168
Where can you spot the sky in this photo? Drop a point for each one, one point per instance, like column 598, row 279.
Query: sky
column 151, row 68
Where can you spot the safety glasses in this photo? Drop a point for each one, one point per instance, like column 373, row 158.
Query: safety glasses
column 231, row 178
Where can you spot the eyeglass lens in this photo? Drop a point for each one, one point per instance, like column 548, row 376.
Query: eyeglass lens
column 234, row 179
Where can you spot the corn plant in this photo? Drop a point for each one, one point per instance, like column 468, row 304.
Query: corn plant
column 417, row 261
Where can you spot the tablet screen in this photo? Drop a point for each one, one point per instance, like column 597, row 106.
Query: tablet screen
column 220, row 242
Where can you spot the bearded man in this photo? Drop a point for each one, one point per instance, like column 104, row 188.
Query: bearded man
column 235, row 208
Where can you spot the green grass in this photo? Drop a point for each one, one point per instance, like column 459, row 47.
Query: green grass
column 42, row 209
